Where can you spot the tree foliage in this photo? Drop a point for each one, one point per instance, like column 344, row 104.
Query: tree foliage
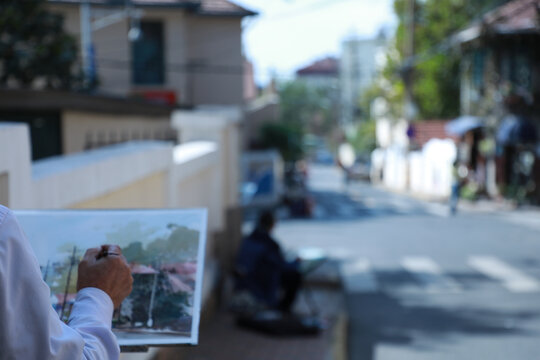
column 304, row 109
column 309, row 107
column 180, row 245
column 286, row 138
column 436, row 67
column 34, row 46
column 364, row 139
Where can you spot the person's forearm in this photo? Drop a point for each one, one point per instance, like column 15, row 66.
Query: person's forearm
column 91, row 317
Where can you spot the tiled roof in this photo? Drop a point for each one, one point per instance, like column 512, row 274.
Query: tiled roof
column 157, row 3
column 430, row 129
column 327, row 66
column 518, row 16
column 515, row 16
column 165, row 2
column 222, row 7
column 201, row 7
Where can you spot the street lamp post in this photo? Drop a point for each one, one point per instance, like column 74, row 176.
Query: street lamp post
column 87, row 26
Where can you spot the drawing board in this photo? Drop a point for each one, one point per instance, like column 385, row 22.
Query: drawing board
column 164, row 249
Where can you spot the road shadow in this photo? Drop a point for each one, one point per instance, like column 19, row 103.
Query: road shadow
column 376, row 318
column 341, row 206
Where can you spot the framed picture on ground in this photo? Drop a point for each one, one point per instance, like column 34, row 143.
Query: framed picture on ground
column 164, row 249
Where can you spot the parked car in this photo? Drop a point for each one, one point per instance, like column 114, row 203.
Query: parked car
column 323, row 156
column 360, row 170
column 297, row 198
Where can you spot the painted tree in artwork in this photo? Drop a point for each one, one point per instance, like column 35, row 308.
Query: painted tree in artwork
column 169, row 308
column 181, row 244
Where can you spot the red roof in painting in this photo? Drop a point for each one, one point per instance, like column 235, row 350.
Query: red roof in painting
column 142, row 269
column 515, row 16
column 181, row 268
column 327, row 66
column 177, row 284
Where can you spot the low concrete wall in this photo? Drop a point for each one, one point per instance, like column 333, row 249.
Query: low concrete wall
column 15, row 166
column 431, row 169
column 145, row 174
column 426, row 173
column 149, row 192
column 219, row 124
column 72, row 180
column 396, row 169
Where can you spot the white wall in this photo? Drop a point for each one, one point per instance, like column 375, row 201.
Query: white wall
column 201, row 172
column 427, row 172
column 212, row 44
column 222, row 126
column 396, row 169
column 195, row 180
column 15, row 170
column 431, row 169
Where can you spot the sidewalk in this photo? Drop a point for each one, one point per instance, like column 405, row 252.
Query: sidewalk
column 221, row 339
column 481, row 205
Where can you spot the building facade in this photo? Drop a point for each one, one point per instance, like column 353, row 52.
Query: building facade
column 500, row 82
column 359, row 63
column 178, row 52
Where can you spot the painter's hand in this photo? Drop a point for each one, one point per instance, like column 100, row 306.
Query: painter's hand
column 106, row 268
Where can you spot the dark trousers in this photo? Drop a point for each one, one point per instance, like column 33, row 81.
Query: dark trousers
column 291, row 280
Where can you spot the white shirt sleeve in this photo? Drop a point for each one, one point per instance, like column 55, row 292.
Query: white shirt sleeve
column 30, row 328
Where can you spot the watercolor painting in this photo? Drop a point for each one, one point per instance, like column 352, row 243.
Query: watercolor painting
column 164, row 249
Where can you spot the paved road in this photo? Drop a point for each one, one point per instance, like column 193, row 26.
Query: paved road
column 421, row 284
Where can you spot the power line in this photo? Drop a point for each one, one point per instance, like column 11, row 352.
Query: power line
column 178, row 67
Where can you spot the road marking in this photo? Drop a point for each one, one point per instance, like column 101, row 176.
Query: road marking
column 358, row 277
column 438, row 210
column 513, row 279
column 430, row 274
column 523, row 218
column 401, row 205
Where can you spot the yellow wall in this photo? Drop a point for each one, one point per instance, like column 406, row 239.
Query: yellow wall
column 149, row 192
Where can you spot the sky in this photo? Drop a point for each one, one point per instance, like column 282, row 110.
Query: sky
column 48, row 231
column 289, row 34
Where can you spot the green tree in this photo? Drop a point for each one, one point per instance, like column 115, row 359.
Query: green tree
column 364, row 139
column 304, row 109
column 180, row 245
column 284, row 137
column 34, row 46
column 436, row 65
column 311, row 108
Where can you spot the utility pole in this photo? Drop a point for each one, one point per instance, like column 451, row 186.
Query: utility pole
column 86, row 42
column 87, row 26
column 408, row 66
column 66, row 291
column 410, row 110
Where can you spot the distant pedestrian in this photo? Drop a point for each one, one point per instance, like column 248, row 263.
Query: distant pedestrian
column 346, row 160
column 459, row 173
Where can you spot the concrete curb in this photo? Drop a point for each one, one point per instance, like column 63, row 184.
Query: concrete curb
column 338, row 339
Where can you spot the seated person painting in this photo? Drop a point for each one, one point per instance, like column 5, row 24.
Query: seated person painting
column 262, row 270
